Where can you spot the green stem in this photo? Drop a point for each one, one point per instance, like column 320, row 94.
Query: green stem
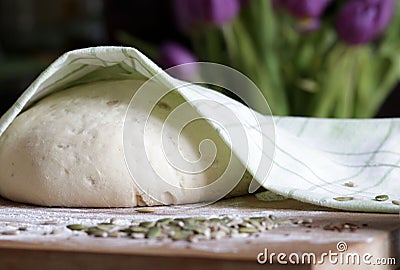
column 324, row 100
column 345, row 105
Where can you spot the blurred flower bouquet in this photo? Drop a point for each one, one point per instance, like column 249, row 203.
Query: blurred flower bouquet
column 317, row 58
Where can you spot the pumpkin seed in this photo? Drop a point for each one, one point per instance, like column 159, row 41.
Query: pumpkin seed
column 146, row 224
column 117, row 234
column 257, row 219
column 154, row 232
column 342, row 199
column 11, row 232
column 112, row 102
column 181, row 235
column 93, row 230
column 50, row 222
column 137, row 229
column 248, row 230
column 145, row 210
column 164, row 221
column 191, row 229
column 178, row 223
column 217, row 220
column 195, row 228
column 381, row 198
column 282, row 221
column 77, row 227
column 189, row 220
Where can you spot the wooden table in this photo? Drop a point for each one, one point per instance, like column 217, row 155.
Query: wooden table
column 36, row 248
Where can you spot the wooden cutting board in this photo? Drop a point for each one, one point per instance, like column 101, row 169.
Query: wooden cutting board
column 37, row 248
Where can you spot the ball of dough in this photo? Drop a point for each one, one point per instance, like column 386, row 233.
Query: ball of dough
column 67, row 150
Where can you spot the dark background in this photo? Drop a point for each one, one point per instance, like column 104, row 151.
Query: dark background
column 33, row 33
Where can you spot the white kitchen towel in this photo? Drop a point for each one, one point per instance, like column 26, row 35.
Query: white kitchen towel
column 319, row 161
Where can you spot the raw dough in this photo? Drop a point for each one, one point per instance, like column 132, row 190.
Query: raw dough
column 67, row 150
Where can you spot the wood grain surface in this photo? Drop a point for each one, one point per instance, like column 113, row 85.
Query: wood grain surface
column 37, row 248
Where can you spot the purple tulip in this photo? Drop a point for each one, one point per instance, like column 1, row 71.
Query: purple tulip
column 361, row 21
column 305, row 8
column 189, row 13
column 219, row 12
column 173, row 54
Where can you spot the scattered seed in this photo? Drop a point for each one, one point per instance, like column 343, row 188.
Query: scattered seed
column 177, row 223
column 76, row 227
column 340, row 227
column 164, row 221
column 192, row 229
column 396, row 202
column 146, row 224
column 154, row 232
column 350, row 184
column 343, row 198
column 93, row 230
column 137, row 229
column 11, row 232
column 23, row 228
column 112, row 102
column 214, row 220
column 163, row 105
column 181, row 235
column 105, row 227
column 381, row 198
column 145, row 210
column 248, row 230
column 117, row 234
column 50, row 222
